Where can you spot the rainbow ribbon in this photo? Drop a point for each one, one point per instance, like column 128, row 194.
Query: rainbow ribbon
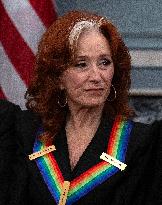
column 96, row 175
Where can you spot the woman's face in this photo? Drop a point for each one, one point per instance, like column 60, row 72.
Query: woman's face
column 87, row 82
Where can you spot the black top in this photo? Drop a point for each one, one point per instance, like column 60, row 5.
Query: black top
column 139, row 184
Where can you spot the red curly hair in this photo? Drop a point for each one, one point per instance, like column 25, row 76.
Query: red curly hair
column 54, row 57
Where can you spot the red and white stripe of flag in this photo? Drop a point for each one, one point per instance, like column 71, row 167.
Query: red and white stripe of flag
column 22, row 23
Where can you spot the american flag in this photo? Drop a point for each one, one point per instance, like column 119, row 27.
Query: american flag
column 22, row 23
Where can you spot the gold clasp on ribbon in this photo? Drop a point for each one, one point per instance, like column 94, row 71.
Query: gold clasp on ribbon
column 44, row 151
column 64, row 193
column 113, row 161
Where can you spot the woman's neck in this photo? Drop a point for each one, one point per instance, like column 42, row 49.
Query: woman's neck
column 81, row 126
column 84, row 117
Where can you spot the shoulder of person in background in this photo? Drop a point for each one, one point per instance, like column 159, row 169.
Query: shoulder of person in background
column 7, row 109
column 8, row 113
column 14, row 122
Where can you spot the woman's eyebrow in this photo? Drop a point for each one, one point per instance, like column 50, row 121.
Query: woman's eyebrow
column 105, row 55
column 86, row 56
column 82, row 57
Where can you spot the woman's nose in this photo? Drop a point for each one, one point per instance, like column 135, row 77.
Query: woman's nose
column 95, row 74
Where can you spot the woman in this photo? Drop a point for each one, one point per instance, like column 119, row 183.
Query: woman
column 78, row 102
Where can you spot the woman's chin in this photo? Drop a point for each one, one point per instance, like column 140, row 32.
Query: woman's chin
column 92, row 103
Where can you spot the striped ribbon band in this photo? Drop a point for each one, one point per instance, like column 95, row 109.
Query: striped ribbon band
column 96, row 175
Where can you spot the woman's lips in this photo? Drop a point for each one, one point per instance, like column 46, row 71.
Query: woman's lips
column 95, row 91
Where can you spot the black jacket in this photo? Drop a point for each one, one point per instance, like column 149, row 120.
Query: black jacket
column 138, row 184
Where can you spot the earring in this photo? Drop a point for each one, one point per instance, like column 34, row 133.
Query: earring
column 110, row 100
column 62, row 104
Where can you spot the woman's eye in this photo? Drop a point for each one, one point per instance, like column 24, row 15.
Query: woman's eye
column 81, row 65
column 105, row 62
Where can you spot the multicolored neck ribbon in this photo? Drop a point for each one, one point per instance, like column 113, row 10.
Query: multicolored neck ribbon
column 96, row 175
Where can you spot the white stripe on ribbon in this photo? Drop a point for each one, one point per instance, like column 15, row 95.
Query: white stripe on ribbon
column 26, row 21
column 146, row 58
column 10, row 81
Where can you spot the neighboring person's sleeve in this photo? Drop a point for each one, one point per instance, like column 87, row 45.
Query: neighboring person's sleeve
column 25, row 129
column 7, row 145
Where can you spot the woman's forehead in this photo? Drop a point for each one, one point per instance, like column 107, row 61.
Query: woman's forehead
column 91, row 41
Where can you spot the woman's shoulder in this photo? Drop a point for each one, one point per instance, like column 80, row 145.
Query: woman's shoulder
column 27, row 119
column 146, row 142
column 146, row 133
column 141, row 133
